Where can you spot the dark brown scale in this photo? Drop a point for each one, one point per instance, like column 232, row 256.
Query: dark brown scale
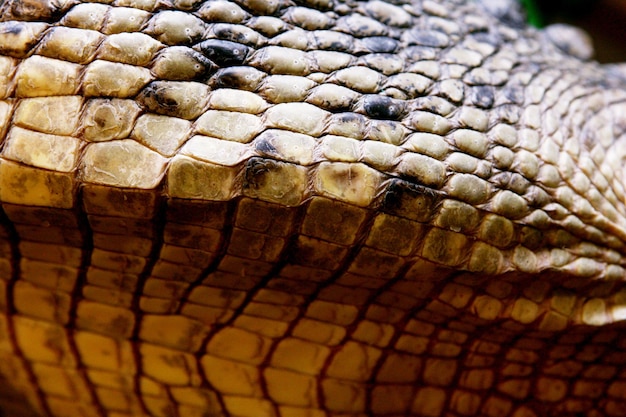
column 333, row 41
column 380, row 44
column 481, row 96
column 266, row 148
column 409, row 200
column 37, row 10
column 513, row 93
column 155, row 96
column 381, row 107
column 244, row 78
column 11, row 32
column 224, row 53
column 431, row 38
column 235, row 33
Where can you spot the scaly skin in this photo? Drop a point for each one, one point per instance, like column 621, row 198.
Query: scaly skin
column 255, row 208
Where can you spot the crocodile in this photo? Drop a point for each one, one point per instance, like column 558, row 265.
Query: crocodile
column 312, row 208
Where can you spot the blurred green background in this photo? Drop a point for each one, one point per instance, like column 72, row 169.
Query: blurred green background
column 604, row 20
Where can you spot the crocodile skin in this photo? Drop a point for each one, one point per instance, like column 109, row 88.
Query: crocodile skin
column 307, row 209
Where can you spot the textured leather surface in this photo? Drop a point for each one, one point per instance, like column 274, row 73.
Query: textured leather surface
column 315, row 208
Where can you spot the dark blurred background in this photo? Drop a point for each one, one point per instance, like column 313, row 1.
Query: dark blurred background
column 604, row 20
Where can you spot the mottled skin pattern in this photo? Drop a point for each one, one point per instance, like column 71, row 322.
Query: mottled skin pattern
column 307, row 208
